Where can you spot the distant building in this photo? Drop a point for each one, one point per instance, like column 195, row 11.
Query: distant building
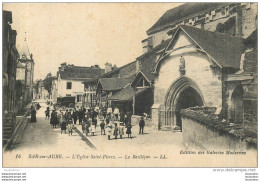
column 20, row 85
column 28, row 62
column 70, row 85
column 54, row 89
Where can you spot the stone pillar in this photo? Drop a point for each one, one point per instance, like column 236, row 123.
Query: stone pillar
column 156, row 115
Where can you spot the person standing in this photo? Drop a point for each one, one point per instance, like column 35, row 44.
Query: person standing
column 109, row 130
column 80, row 115
column 56, row 119
column 128, row 129
column 70, row 127
column 121, row 129
column 47, row 113
column 102, row 126
column 108, row 118
column 94, row 121
column 66, row 115
column 141, row 125
column 75, row 116
column 83, row 125
column 109, row 110
column 52, row 117
column 116, row 131
column 33, row 115
column 116, row 114
column 63, row 126
column 88, row 124
column 93, row 128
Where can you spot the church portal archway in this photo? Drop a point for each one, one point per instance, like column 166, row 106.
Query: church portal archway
column 182, row 94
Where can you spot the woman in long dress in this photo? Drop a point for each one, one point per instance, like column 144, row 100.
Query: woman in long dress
column 33, row 115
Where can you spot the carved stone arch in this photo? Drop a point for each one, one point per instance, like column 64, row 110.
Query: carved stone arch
column 177, row 87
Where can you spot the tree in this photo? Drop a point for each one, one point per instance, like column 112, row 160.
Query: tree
column 47, row 82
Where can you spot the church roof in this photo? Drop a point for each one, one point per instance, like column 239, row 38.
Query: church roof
column 225, row 50
column 182, row 12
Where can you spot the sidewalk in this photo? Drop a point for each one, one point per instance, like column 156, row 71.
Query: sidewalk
column 150, row 141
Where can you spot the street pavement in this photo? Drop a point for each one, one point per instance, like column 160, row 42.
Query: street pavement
column 150, row 141
column 41, row 140
column 41, row 137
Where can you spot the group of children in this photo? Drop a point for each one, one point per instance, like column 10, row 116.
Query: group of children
column 110, row 123
column 106, row 127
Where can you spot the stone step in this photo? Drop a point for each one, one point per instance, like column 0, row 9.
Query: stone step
column 7, row 129
column 6, row 137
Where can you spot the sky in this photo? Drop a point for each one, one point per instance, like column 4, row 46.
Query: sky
column 82, row 34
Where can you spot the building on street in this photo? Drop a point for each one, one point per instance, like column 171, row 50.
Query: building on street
column 70, row 84
column 9, row 61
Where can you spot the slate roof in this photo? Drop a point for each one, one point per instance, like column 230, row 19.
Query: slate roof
column 110, row 84
column 125, row 94
column 182, row 12
column 225, row 50
column 108, row 74
column 80, row 73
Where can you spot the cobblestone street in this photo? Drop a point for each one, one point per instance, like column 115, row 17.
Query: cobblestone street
column 44, row 146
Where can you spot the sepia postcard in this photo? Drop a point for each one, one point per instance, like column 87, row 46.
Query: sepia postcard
column 129, row 84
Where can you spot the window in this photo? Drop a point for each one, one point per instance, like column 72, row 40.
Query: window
column 69, row 85
column 79, row 98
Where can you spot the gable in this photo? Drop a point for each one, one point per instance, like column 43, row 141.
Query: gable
column 181, row 40
column 224, row 50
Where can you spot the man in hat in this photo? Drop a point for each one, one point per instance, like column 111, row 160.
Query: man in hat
column 141, row 125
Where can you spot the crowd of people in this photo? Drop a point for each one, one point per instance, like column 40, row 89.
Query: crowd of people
column 111, row 121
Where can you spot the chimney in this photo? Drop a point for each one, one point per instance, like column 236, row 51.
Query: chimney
column 108, row 67
column 147, row 44
column 96, row 66
column 62, row 66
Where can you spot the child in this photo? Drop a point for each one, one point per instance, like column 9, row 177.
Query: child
column 83, row 125
column 108, row 118
column 109, row 130
column 70, row 127
column 102, row 126
column 116, row 131
column 121, row 130
column 87, row 128
column 47, row 113
column 63, row 126
column 93, row 128
column 128, row 129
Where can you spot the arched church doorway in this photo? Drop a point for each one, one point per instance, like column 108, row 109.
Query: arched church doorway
column 189, row 97
column 237, row 105
column 182, row 94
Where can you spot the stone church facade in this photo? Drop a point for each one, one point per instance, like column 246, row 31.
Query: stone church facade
column 206, row 62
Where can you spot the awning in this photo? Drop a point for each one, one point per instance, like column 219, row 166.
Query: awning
column 126, row 94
